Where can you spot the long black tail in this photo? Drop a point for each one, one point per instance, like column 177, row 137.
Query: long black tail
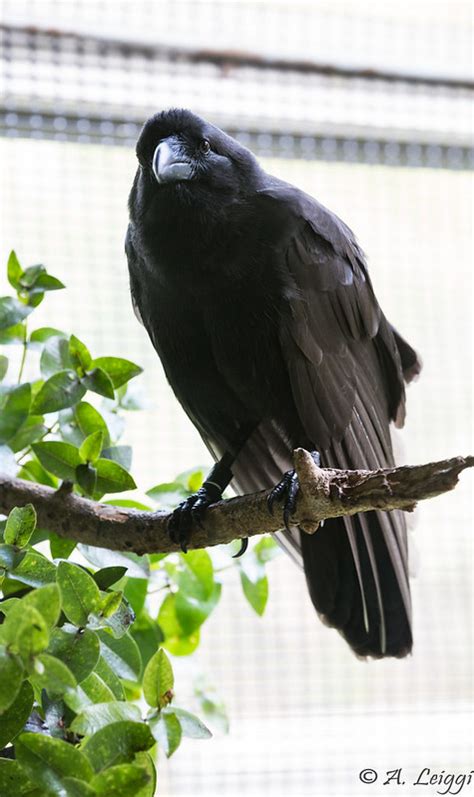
column 354, row 586
column 357, row 567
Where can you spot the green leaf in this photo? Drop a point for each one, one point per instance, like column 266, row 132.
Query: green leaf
column 14, row 407
column 30, row 276
column 112, row 478
column 191, row 479
column 158, row 680
column 99, row 382
column 120, row 454
column 176, row 640
column 7, row 605
column 11, row 677
column 21, row 523
column 53, row 675
column 10, row 557
column 92, row 446
column 168, row 495
column 79, row 593
column 97, row 716
column 198, row 594
column 61, row 390
column 57, row 716
column 14, row 782
column 109, row 677
column 107, row 576
column 61, row 459
column 86, row 477
column 256, row 592
column 43, row 334
column 113, row 613
column 47, row 761
column 148, row 636
column 135, row 592
column 89, row 420
column 166, row 729
column 34, row 472
column 25, row 630
column 145, row 761
column 192, row 611
column 117, row 744
column 31, row 430
column 35, row 570
column 14, row 270
column 195, row 574
column 132, row 504
column 137, row 566
column 266, row 549
column 60, row 547
column 12, row 311
column 55, row 356
column 118, row 369
column 46, row 282
column 122, row 655
column 80, row 354
column 73, row 787
column 92, row 690
column 3, row 366
column 191, row 725
column 123, row 780
column 80, row 422
column 109, row 603
column 45, row 600
column 13, row 335
column 79, row 650
column 13, row 719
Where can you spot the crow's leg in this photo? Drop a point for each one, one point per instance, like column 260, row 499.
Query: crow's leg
column 193, row 508
column 287, row 491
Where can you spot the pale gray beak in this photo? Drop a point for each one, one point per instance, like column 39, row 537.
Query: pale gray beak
column 170, row 164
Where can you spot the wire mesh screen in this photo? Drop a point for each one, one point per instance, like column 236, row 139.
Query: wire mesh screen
column 306, row 717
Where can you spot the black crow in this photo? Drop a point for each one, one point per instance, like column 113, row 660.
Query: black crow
column 258, row 302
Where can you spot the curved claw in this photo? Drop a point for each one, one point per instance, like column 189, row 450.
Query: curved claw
column 287, row 490
column 187, row 513
column 244, row 544
column 278, row 491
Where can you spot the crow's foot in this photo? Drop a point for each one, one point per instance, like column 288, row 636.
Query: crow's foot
column 287, row 491
column 190, row 512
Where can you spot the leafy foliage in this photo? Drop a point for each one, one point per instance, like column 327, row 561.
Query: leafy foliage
column 86, row 633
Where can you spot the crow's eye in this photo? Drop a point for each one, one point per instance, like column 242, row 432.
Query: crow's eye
column 205, row 146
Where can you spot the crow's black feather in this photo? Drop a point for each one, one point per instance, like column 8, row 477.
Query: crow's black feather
column 258, row 302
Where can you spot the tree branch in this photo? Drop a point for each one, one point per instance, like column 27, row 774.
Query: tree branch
column 324, row 493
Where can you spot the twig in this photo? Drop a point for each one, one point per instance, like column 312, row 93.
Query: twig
column 324, row 493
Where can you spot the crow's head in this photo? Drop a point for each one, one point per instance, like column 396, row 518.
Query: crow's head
column 177, row 149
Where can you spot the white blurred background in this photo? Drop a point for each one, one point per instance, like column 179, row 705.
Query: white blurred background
column 391, row 156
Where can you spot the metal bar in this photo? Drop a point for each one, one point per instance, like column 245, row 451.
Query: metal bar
column 234, row 59
column 118, row 131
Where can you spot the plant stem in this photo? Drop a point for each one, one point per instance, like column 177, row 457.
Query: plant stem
column 23, row 356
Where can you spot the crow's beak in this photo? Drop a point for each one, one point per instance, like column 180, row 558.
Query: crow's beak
column 170, row 164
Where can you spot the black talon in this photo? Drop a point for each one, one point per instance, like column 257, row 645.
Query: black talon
column 287, row 490
column 244, row 544
column 278, row 491
column 190, row 512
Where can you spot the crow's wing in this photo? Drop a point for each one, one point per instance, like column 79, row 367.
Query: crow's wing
column 347, row 382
